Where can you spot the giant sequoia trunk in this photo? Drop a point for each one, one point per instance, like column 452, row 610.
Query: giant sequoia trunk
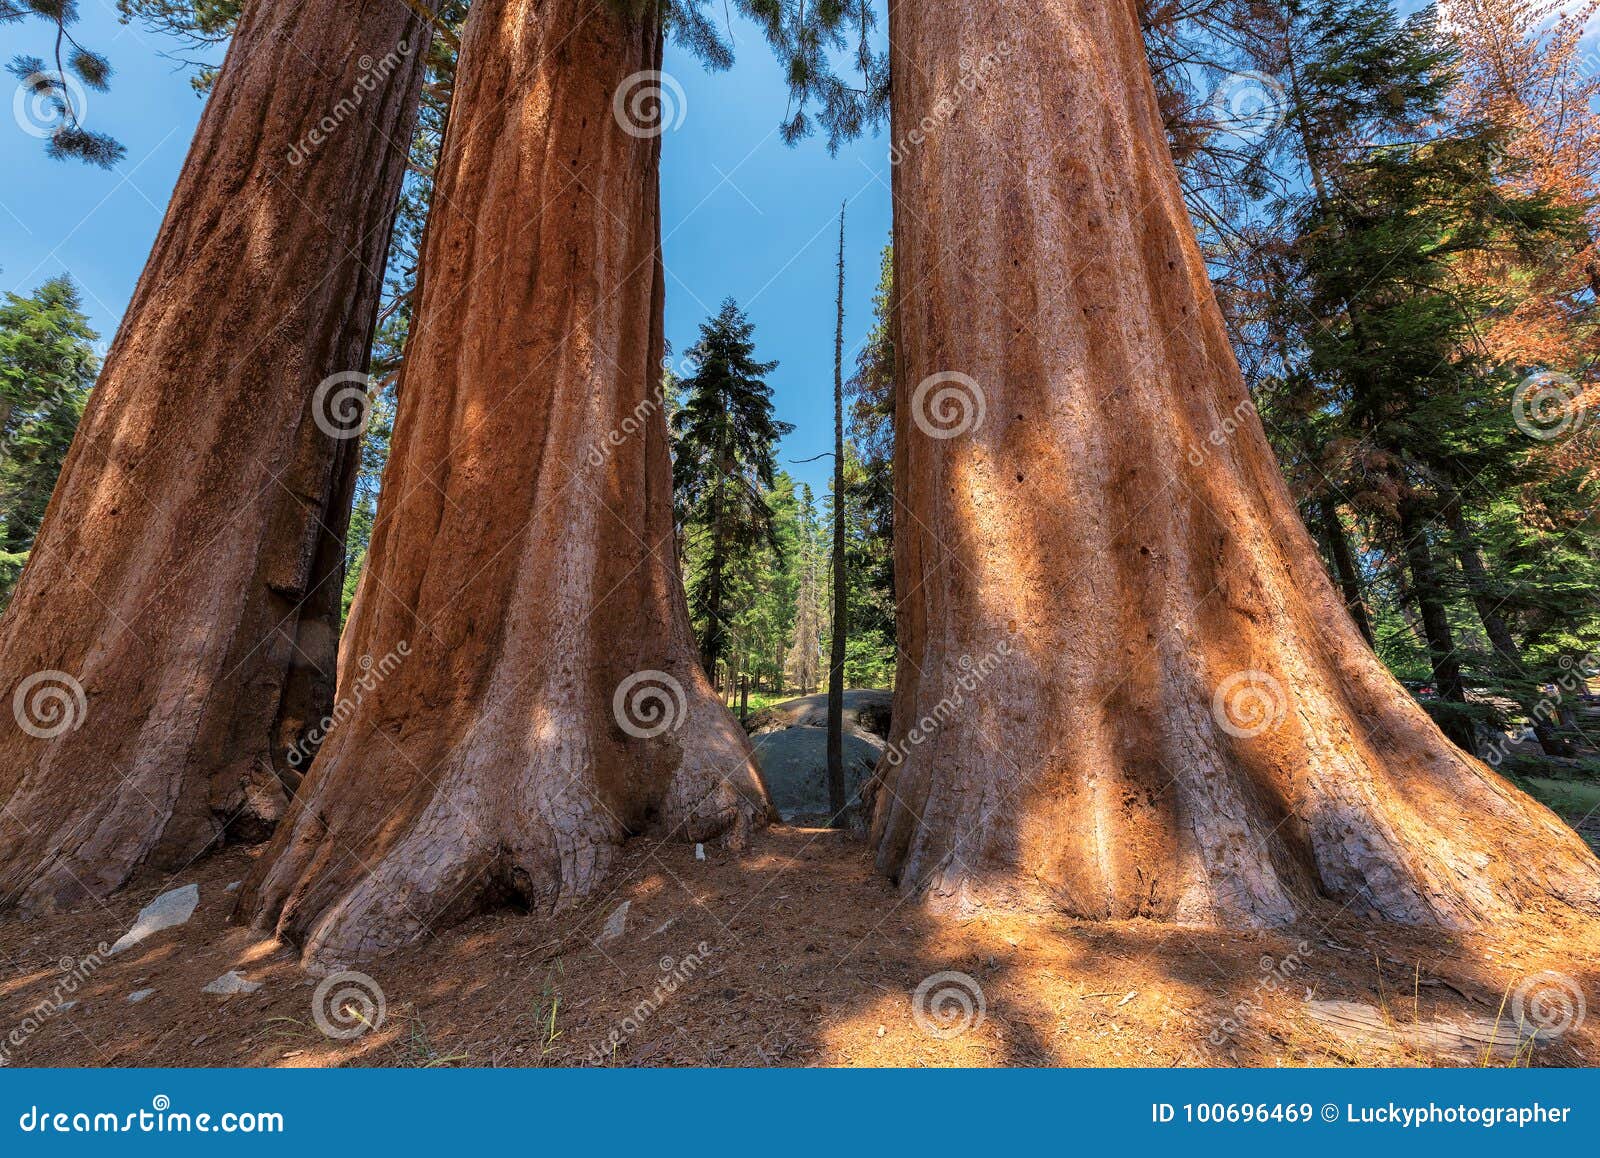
column 540, row 697
column 187, row 574
column 1129, row 687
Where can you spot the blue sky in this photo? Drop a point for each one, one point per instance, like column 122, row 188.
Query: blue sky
column 742, row 213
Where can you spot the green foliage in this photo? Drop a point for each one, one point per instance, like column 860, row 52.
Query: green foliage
column 804, row 666
column 1372, row 377
column 724, row 473
column 201, row 26
column 53, row 97
column 869, row 488
column 806, row 38
column 47, row 367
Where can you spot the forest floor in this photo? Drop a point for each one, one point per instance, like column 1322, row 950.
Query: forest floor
column 795, row 953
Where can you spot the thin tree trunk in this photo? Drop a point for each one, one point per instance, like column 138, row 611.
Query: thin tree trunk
column 550, row 701
column 841, row 588
column 715, row 641
column 1494, row 624
column 184, row 570
column 1128, row 686
column 1428, row 593
column 1344, row 562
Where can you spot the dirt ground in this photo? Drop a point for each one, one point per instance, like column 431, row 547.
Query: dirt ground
column 793, row 953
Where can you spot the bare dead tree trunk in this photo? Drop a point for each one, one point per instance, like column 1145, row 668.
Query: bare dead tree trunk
column 186, row 576
column 841, row 585
column 549, row 702
column 1128, row 685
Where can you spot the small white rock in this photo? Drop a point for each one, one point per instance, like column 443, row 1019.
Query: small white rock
column 139, row 995
column 174, row 907
column 233, row 888
column 699, row 852
column 230, row 983
column 615, row 923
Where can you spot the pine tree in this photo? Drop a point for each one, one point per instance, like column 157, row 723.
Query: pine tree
column 723, row 467
column 870, row 484
column 1385, row 239
column 51, row 100
column 47, row 365
column 1527, row 66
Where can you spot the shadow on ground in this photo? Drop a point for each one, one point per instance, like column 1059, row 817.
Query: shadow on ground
column 793, row 953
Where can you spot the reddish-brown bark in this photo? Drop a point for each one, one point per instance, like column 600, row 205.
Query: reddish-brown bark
column 1129, row 687
column 187, row 573
column 523, row 552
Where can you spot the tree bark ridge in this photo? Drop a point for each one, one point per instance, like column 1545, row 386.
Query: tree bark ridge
column 179, row 577
column 1128, row 687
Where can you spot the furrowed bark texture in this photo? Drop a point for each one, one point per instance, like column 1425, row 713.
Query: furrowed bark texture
column 187, row 573
column 523, row 557
column 1128, row 686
